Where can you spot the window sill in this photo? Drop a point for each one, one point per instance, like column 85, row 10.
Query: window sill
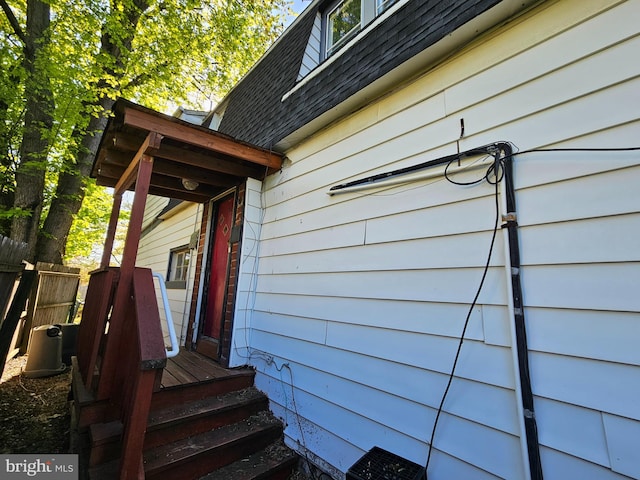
column 176, row 285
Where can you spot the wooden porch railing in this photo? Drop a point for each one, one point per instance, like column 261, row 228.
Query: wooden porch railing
column 141, row 358
column 95, row 316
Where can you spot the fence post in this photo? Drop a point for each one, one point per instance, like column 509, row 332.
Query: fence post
column 13, row 317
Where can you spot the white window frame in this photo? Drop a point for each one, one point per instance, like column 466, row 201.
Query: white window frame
column 178, row 270
column 369, row 10
column 330, row 46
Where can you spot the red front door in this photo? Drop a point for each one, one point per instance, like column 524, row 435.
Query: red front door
column 211, row 331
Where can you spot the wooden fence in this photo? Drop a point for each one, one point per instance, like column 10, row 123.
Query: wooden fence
column 53, row 298
column 15, row 284
column 11, row 266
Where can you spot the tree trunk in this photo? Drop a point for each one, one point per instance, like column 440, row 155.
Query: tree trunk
column 6, row 170
column 71, row 187
column 70, row 192
column 30, row 174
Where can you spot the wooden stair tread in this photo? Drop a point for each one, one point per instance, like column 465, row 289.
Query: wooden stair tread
column 235, row 380
column 193, row 457
column 102, row 433
column 213, row 449
column 204, row 407
column 180, row 421
column 274, row 461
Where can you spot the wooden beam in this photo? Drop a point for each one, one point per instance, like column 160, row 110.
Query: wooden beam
column 111, row 230
column 210, row 140
column 171, row 169
column 128, row 177
column 115, row 157
column 124, row 142
column 175, row 184
column 184, row 195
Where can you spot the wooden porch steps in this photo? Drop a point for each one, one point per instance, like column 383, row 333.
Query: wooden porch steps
column 219, row 428
column 174, row 423
column 197, row 455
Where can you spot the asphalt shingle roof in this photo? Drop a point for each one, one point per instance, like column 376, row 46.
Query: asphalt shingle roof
column 256, row 112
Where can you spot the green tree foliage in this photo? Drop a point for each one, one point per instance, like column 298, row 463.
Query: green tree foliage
column 87, row 229
column 63, row 64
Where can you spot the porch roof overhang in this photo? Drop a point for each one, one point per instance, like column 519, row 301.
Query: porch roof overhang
column 181, row 151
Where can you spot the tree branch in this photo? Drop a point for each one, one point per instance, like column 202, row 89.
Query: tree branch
column 144, row 77
column 13, row 21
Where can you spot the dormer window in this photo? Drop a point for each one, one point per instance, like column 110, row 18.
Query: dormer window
column 344, row 19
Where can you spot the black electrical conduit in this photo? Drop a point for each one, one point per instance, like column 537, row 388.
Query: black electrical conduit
column 503, row 154
column 511, row 224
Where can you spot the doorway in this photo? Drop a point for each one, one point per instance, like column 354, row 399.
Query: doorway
column 212, row 322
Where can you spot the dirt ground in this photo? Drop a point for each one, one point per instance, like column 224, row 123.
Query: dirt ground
column 34, row 412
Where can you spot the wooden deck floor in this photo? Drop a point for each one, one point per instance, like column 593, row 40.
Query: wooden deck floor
column 191, row 367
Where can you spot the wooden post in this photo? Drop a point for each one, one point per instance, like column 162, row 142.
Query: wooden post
column 111, row 230
column 146, row 349
column 131, row 462
column 124, row 289
column 13, row 316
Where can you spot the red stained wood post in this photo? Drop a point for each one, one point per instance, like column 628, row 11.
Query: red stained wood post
column 94, row 317
column 147, row 348
column 131, row 462
column 111, row 230
column 125, row 287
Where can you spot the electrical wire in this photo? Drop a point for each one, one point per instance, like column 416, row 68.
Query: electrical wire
column 496, row 169
column 267, row 358
column 305, row 450
column 613, row 149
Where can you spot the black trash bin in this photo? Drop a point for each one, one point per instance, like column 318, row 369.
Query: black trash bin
column 69, row 340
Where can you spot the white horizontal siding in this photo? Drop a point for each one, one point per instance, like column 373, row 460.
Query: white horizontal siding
column 311, row 57
column 596, row 287
column 377, row 417
column 444, row 319
column 576, row 431
column 154, row 251
column 623, row 452
column 557, row 465
column 605, row 194
column 581, row 265
column 152, row 208
column 443, row 285
column 363, row 295
column 602, row 386
column 430, row 253
column 414, row 383
column 594, row 240
column 602, row 335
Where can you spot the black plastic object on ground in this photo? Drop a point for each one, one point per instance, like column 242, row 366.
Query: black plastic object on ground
column 378, row 464
column 69, row 340
column 45, row 352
